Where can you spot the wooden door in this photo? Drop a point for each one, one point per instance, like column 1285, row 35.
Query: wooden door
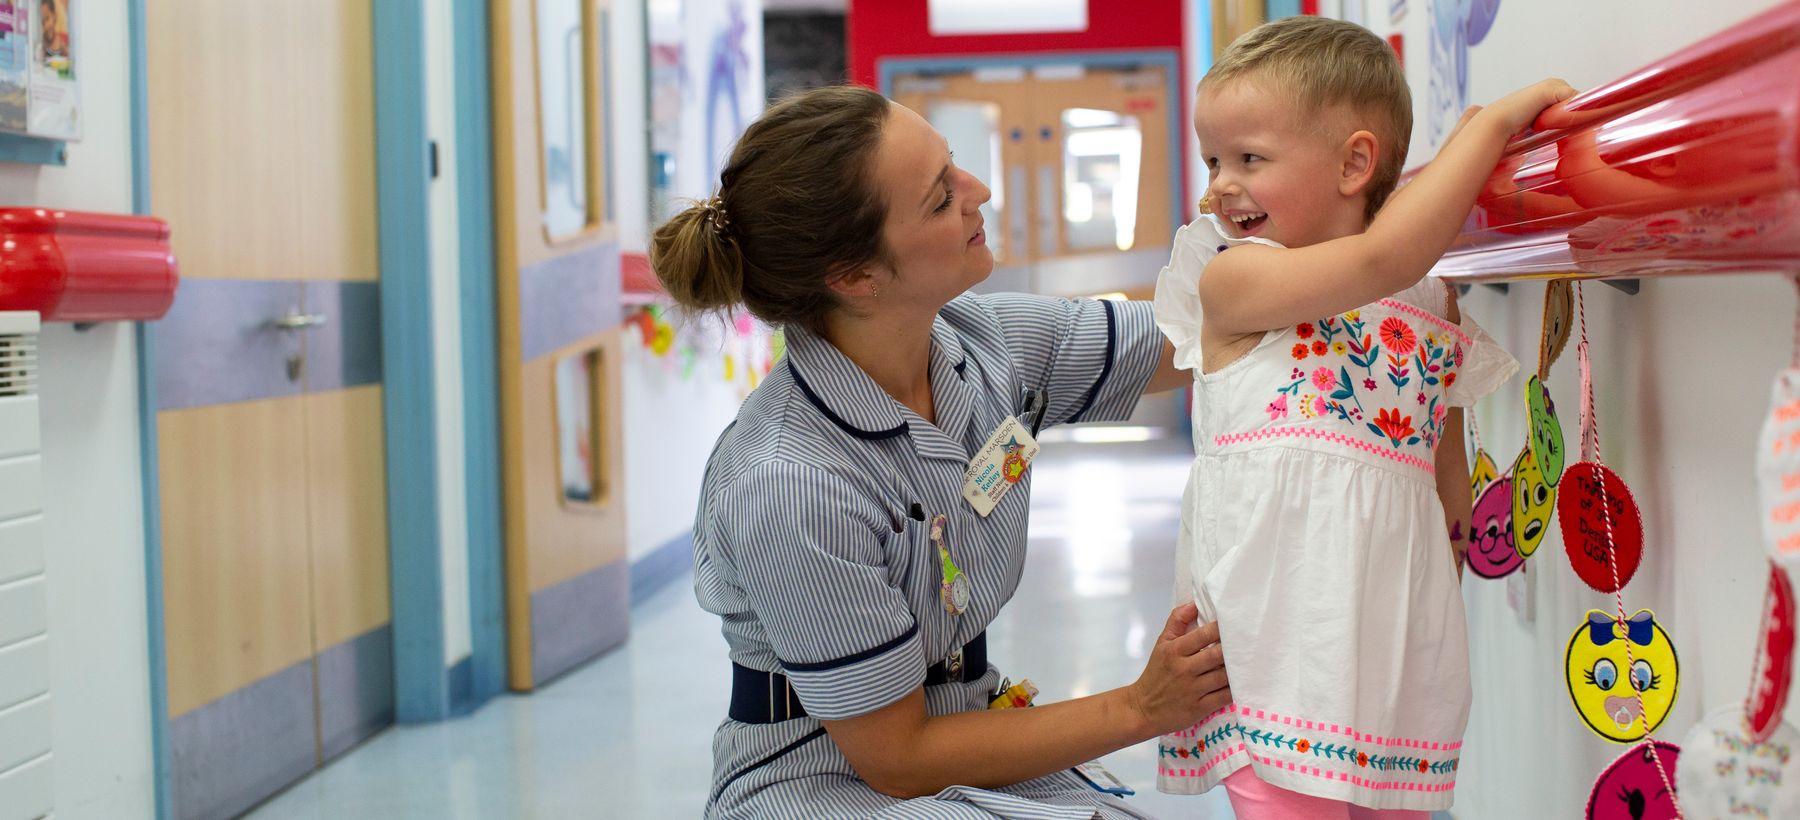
column 268, row 370
column 1081, row 161
column 568, row 579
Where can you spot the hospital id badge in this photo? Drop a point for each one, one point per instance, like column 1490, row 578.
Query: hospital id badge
column 999, row 465
column 1102, row 780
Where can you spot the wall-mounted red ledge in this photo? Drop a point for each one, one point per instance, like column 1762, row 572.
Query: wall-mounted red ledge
column 1690, row 165
column 75, row 266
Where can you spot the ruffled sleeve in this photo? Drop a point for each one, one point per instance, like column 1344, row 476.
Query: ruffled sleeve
column 1486, row 365
column 1177, row 300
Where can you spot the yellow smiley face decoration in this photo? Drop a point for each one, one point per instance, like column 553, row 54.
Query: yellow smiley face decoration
column 1534, row 500
column 1606, row 686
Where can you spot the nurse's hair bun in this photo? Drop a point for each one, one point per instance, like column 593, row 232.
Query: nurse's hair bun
column 697, row 260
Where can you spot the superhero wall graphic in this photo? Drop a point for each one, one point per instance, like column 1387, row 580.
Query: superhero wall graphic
column 706, row 85
column 1456, row 25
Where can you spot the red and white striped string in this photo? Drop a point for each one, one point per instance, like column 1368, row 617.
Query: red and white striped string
column 1589, row 421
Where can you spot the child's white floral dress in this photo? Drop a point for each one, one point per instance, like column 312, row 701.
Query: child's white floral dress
column 1311, row 530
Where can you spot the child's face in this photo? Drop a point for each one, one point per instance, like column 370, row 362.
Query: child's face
column 1273, row 173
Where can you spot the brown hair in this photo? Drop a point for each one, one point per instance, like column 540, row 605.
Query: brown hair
column 1330, row 62
column 796, row 202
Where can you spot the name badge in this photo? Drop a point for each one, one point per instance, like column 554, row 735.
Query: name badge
column 999, row 465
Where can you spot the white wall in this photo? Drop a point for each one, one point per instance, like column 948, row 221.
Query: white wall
column 93, row 508
column 671, row 420
column 446, row 325
column 1682, row 374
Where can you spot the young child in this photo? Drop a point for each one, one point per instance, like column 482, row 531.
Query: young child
column 1321, row 514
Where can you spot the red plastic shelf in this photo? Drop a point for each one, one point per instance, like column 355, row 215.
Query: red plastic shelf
column 75, row 266
column 1690, row 165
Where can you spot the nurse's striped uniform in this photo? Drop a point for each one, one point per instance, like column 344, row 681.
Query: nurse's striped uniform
column 805, row 547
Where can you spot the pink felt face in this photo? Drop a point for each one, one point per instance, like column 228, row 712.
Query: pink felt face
column 1491, row 551
column 1631, row 788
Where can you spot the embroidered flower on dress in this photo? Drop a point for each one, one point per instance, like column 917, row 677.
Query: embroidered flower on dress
column 1318, row 406
column 1305, row 330
column 1368, row 384
column 1459, row 355
column 1362, row 758
column 1297, row 374
column 1353, row 315
column 1449, row 379
column 1278, row 409
column 1303, row 746
column 1397, row 336
column 1324, row 379
column 1390, row 423
column 1340, row 348
column 1439, row 414
column 1319, row 348
column 1421, row 398
column 1300, row 351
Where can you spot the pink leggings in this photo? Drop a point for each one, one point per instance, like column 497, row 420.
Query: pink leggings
column 1253, row 799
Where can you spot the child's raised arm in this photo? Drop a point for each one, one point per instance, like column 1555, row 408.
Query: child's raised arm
column 1253, row 288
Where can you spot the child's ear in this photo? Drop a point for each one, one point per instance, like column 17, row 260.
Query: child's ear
column 1361, row 153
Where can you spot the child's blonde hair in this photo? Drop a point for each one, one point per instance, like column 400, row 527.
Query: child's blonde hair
column 1330, row 62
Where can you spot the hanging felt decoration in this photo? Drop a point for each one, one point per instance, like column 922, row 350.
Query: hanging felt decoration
column 1722, row 773
column 1774, row 669
column 1559, row 313
column 1623, row 674
column 1546, row 436
column 1778, row 464
column 1603, row 533
column 1483, row 472
column 645, row 322
column 664, row 339
column 1637, row 786
column 1533, row 500
column 1491, row 550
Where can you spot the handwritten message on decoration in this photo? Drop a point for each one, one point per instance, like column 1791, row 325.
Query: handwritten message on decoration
column 1600, row 526
column 1778, row 471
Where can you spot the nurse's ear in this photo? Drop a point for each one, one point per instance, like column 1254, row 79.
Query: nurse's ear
column 855, row 284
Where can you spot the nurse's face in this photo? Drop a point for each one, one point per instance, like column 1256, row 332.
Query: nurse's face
column 936, row 246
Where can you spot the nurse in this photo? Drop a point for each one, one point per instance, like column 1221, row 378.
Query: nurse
column 864, row 518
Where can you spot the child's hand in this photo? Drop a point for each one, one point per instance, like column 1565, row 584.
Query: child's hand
column 1518, row 110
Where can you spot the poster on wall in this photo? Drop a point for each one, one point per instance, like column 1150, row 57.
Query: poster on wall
column 53, row 102
column 706, row 85
column 15, row 30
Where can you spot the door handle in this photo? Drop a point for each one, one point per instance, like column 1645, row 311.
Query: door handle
column 295, row 320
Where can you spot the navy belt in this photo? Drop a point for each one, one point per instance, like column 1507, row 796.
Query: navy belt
column 768, row 697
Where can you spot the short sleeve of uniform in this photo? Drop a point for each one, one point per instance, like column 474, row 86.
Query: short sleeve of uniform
column 1093, row 357
column 816, row 575
column 1486, row 365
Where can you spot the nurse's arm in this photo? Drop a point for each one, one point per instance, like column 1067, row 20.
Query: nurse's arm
column 1167, row 376
column 902, row 752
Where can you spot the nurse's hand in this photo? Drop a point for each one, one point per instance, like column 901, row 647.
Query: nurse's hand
column 1184, row 680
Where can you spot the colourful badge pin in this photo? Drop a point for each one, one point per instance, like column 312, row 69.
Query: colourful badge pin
column 955, row 587
column 1637, row 785
column 1622, row 675
column 1602, row 531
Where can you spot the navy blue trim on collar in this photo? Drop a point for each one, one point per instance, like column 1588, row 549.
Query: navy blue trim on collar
column 869, row 435
column 856, row 658
column 1106, row 367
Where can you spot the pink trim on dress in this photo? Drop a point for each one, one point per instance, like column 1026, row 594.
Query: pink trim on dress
column 1417, row 312
column 1326, row 435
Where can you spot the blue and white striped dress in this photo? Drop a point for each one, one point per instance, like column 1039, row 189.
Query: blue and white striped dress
column 805, row 549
